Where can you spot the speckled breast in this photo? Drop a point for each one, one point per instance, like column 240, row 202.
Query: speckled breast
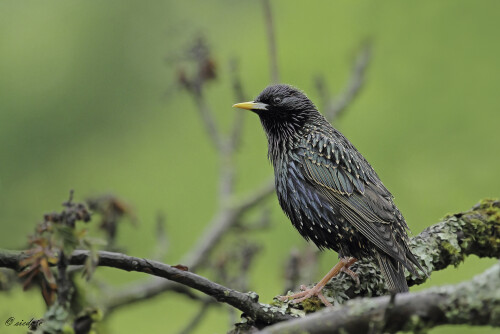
column 315, row 217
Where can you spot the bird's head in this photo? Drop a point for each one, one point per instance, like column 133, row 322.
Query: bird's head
column 281, row 104
column 283, row 111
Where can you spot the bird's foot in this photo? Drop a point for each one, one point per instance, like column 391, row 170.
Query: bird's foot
column 305, row 294
column 353, row 275
column 343, row 265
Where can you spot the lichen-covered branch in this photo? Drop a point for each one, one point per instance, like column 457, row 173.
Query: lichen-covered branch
column 476, row 231
column 476, row 302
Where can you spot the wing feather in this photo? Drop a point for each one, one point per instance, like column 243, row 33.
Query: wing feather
column 364, row 201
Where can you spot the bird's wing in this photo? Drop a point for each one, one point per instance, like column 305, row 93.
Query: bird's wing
column 343, row 176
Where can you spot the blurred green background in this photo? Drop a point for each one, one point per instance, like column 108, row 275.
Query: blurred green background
column 88, row 102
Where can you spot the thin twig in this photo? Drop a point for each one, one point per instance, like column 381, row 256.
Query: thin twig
column 198, row 317
column 253, row 198
column 292, row 270
column 114, row 300
column 354, row 84
column 161, row 239
column 323, row 92
column 239, row 117
column 242, row 256
column 199, row 52
column 302, row 267
column 271, row 41
column 208, row 120
column 220, row 224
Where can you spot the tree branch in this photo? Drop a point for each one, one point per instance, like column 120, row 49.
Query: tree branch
column 247, row 303
column 447, row 243
column 475, row 302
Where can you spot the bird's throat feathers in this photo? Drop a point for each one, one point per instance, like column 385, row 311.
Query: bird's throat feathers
column 287, row 111
column 282, row 134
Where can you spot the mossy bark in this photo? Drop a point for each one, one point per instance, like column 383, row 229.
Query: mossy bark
column 475, row 302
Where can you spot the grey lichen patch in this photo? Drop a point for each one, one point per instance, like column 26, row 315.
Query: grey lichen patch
column 454, row 253
column 360, row 308
column 248, row 324
column 477, row 301
column 297, row 309
column 253, row 296
column 438, row 246
column 275, row 309
column 288, row 307
column 55, row 320
column 297, row 312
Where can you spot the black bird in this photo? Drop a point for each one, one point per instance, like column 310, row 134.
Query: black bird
column 329, row 191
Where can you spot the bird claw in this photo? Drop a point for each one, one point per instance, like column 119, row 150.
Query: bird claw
column 305, row 294
column 353, row 275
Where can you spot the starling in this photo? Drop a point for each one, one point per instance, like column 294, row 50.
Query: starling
column 329, row 191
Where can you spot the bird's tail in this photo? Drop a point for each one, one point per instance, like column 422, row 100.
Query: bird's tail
column 393, row 273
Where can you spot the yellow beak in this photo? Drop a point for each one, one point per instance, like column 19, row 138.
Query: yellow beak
column 251, row 105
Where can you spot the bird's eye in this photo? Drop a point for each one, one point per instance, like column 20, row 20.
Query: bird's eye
column 277, row 100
